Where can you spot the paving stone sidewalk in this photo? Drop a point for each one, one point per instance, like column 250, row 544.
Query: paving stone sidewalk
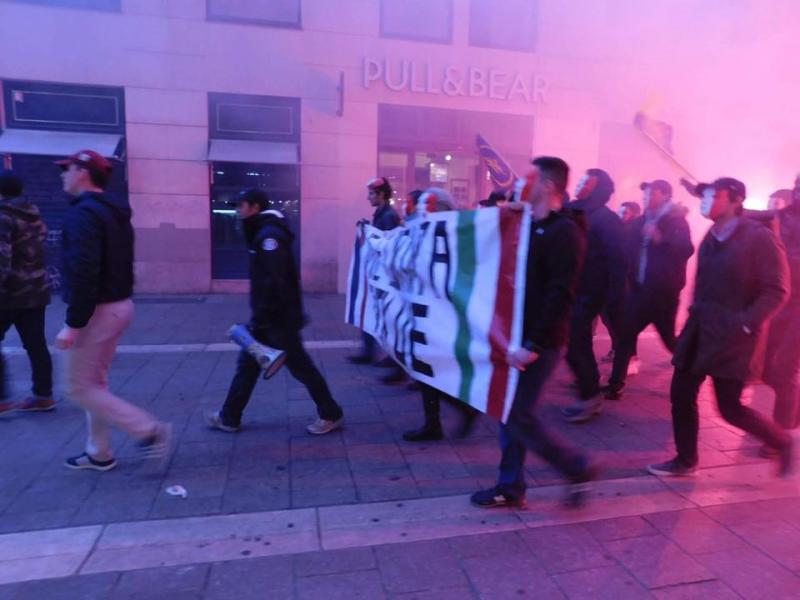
column 747, row 550
column 273, row 463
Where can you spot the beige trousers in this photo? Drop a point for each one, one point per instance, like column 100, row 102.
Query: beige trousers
column 87, row 366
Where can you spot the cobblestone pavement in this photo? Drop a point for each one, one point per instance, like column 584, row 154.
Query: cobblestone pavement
column 734, row 534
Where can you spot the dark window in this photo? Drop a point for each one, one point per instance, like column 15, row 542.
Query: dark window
column 275, row 13
column 61, row 107
column 420, row 20
column 109, row 5
column 508, row 25
column 282, row 184
column 245, row 117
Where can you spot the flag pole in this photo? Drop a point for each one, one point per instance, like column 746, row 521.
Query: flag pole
column 669, row 156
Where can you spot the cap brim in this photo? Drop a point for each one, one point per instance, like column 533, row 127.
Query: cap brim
column 644, row 185
column 700, row 188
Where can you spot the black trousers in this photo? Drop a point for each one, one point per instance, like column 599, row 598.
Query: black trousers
column 782, row 366
column 580, row 349
column 29, row 323
column 300, row 366
column 525, row 431
column 642, row 309
column 686, row 423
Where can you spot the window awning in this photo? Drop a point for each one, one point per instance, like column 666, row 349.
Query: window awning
column 275, row 153
column 57, row 143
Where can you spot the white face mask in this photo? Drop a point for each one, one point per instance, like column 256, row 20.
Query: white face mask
column 646, row 199
column 707, row 203
column 519, row 186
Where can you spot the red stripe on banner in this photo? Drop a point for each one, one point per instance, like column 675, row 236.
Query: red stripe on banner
column 500, row 332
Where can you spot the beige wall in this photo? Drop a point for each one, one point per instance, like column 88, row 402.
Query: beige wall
column 715, row 69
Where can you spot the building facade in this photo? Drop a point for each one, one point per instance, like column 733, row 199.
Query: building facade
column 311, row 98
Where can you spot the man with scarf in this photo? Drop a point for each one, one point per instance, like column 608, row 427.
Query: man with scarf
column 277, row 304
column 662, row 245
column 601, row 285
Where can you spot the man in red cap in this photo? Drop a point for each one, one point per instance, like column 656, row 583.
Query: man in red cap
column 97, row 271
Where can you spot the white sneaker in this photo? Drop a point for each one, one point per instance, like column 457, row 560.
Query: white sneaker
column 634, row 366
column 322, row 426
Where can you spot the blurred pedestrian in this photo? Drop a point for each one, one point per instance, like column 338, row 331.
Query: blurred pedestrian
column 24, row 291
column 276, row 302
column 439, row 200
column 602, row 285
column 555, row 253
column 782, row 363
column 97, row 254
column 742, row 280
column 385, row 218
column 661, row 246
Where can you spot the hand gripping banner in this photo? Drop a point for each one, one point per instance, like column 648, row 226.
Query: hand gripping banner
column 444, row 296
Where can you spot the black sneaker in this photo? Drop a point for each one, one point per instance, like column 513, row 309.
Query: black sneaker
column 671, row 468
column 579, row 487
column 786, row 460
column 496, row 498
column 395, row 378
column 613, row 391
column 84, row 461
column 159, row 444
column 386, row 362
column 426, row 433
column 360, row 359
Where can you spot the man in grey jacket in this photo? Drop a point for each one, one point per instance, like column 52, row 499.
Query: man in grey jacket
column 742, row 280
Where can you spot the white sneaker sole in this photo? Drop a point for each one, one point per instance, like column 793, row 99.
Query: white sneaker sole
column 333, row 427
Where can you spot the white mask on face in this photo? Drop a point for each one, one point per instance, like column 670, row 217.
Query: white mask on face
column 707, row 203
column 646, row 199
column 519, row 186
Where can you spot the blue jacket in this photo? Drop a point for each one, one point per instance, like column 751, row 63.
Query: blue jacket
column 97, row 254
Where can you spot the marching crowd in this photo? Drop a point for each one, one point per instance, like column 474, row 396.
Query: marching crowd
column 586, row 263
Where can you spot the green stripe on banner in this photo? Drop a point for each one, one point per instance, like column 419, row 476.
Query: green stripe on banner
column 462, row 290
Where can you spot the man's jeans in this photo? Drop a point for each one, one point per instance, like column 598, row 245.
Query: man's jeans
column 300, row 366
column 29, row 323
column 88, row 363
column 524, row 431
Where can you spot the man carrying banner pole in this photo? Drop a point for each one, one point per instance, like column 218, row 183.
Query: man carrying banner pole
column 555, row 257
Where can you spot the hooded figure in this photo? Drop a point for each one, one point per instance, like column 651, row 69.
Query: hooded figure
column 601, row 285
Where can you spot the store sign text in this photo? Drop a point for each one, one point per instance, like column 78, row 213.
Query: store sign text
column 420, row 77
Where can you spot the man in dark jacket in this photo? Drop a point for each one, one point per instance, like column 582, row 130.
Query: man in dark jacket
column 97, row 273
column 555, row 254
column 742, row 280
column 385, row 218
column 24, row 291
column 276, row 302
column 782, row 365
column 661, row 245
column 602, row 285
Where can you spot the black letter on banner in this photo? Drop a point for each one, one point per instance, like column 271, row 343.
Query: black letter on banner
column 418, row 337
column 443, row 256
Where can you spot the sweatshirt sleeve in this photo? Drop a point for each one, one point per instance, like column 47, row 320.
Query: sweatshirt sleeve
column 563, row 263
column 84, row 256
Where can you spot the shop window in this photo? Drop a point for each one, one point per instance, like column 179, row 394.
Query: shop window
column 64, row 107
column 507, row 25
column 282, row 185
column 420, row 147
column 419, row 20
column 254, row 142
column 273, row 13
column 107, row 5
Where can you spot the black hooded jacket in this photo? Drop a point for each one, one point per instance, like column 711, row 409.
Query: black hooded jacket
column 276, row 299
column 96, row 255
column 603, row 279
